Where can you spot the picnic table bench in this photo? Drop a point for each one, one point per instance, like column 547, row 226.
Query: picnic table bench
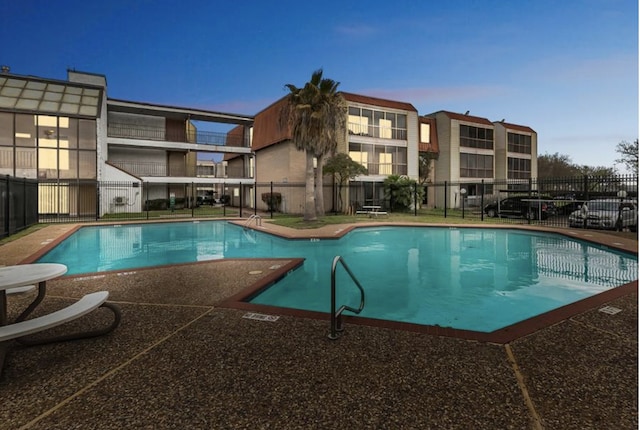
column 371, row 210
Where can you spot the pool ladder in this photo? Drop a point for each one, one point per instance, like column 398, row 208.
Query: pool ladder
column 256, row 218
column 336, row 316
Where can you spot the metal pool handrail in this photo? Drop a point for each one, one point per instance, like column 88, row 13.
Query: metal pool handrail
column 256, row 218
column 336, row 316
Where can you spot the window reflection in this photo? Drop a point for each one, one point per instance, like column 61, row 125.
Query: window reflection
column 47, row 147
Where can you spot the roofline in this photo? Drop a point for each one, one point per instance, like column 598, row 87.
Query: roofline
column 463, row 117
column 517, row 127
column 377, row 101
column 50, row 80
column 102, row 75
column 128, row 106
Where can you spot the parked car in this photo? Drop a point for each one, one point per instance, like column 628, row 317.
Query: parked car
column 607, row 214
column 567, row 204
column 529, row 207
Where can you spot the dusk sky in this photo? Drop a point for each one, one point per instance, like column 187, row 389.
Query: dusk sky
column 568, row 69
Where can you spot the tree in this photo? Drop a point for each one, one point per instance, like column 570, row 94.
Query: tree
column 555, row 166
column 317, row 116
column 424, row 165
column 628, row 155
column 344, row 169
column 596, row 171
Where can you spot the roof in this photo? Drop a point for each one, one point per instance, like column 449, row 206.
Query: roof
column 516, row 127
column 49, row 96
column 177, row 112
column 374, row 101
column 464, row 117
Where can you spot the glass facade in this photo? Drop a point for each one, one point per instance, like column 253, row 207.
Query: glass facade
column 476, row 137
column 520, row 143
column 47, row 147
column 518, row 168
column 476, row 166
column 53, row 98
column 377, row 123
column 380, row 159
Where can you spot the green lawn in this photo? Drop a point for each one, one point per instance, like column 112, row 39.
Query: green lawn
column 431, row 216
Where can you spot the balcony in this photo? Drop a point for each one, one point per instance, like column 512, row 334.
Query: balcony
column 386, row 169
column 129, row 131
column 153, row 169
column 377, row 131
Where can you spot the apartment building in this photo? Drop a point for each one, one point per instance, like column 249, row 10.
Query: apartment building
column 95, row 155
column 476, row 152
column 381, row 134
column 73, row 138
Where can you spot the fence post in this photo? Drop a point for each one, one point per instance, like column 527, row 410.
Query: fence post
column 241, row 199
column 24, row 203
column 334, row 197
column 255, row 198
column 193, row 199
column 538, row 205
column 482, row 200
column 271, row 198
column 446, row 192
column 146, row 187
column 222, row 199
column 6, row 209
column 415, row 198
column 585, row 187
column 9, row 207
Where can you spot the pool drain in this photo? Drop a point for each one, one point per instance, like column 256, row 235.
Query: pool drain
column 611, row 310
column 260, row 317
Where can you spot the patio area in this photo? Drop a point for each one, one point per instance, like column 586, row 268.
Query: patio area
column 179, row 361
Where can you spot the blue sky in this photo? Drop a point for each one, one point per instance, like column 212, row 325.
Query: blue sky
column 568, row 69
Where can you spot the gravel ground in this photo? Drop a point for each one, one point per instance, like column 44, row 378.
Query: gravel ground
column 179, row 361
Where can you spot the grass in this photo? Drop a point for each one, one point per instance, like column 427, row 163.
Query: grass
column 431, row 216
column 27, row 231
column 177, row 213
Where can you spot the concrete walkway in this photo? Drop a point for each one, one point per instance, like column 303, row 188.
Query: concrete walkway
column 178, row 361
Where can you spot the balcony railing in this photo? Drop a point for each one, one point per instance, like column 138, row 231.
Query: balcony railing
column 386, row 169
column 150, row 168
column 129, row 131
column 377, row 131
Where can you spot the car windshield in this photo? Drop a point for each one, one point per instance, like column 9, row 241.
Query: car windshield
column 603, row 205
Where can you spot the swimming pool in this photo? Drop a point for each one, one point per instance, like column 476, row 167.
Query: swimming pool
column 475, row 279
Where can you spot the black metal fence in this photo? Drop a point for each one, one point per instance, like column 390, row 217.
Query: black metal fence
column 18, row 204
column 547, row 202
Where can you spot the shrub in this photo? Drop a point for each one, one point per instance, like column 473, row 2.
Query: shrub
column 400, row 191
column 272, row 200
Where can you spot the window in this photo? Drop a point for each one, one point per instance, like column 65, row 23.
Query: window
column 385, row 161
column 425, row 133
column 385, row 129
column 520, row 143
column 25, row 130
column 476, row 137
column 518, row 168
column 87, row 134
column 46, row 147
column 380, row 159
column 476, row 166
column 377, row 123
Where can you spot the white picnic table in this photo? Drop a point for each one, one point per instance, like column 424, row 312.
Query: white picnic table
column 371, row 210
column 19, row 279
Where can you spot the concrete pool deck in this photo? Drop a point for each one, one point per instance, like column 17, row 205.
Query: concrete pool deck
column 179, row 361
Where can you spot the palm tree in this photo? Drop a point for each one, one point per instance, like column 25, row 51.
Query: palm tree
column 317, row 117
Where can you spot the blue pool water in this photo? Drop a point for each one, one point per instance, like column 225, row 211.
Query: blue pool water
column 465, row 278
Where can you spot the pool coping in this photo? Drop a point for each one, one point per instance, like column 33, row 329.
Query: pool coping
column 336, row 231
